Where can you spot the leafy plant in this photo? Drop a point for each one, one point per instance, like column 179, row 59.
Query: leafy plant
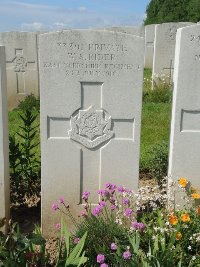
column 30, row 103
column 24, row 165
column 158, row 95
column 157, row 162
column 68, row 256
column 17, row 249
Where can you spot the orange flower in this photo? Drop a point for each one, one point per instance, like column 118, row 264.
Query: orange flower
column 173, row 219
column 182, row 182
column 178, row 236
column 198, row 210
column 195, row 196
column 185, row 217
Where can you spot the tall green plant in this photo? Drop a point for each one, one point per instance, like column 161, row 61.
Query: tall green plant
column 24, row 165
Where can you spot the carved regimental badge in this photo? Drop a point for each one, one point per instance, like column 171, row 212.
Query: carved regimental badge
column 91, row 127
column 20, row 64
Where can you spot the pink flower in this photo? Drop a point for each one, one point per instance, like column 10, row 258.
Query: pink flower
column 112, row 200
column 121, row 189
column 85, row 195
column 113, row 207
column 113, row 246
column 54, row 206
column 128, row 212
column 83, row 214
column 126, row 201
column 58, row 226
column 138, row 226
column 76, row 240
column 96, row 211
column 103, row 193
column 100, row 258
column 108, row 185
column 61, row 200
column 102, row 204
column 104, row 265
column 127, row 255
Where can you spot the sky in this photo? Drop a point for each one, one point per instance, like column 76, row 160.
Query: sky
column 42, row 15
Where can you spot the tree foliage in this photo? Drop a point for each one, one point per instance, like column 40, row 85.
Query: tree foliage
column 160, row 11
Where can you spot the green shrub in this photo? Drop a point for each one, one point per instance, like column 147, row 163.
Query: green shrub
column 157, row 163
column 158, row 95
column 20, row 250
column 30, row 103
column 24, row 165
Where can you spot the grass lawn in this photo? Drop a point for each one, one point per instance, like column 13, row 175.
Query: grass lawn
column 155, row 121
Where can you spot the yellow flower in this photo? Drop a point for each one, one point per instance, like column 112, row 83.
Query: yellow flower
column 195, row 196
column 178, row 236
column 182, row 182
column 185, row 217
column 173, row 219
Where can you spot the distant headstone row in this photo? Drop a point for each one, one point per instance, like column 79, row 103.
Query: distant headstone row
column 21, row 65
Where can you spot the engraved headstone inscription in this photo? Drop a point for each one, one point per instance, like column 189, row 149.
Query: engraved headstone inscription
column 21, row 65
column 164, row 52
column 91, row 93
column 4, row 150
column 184, row 158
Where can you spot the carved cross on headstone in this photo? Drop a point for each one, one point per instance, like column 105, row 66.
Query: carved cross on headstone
column 150, row 44
column 19, row 64
column 90, row 127
column 171, row 71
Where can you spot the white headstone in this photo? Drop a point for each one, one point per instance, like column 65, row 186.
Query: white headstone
column 164, row 51
column 184, row 158
column 21, row 65
column 149, row 45
column 4, row 150
column 91, row 95
column 135, row 30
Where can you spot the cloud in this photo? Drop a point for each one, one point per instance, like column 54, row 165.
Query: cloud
column 16, row 15
column 35, row 26
column 82, row 9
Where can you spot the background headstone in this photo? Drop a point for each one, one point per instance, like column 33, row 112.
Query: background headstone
column 21, row 65
column 149, row 45
column 4, row 151
column 135, row 30
column 91, row 95
column 164, row 51
column 184, row 158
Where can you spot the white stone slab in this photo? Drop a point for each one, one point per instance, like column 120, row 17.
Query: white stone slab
column 135, row 30
column 21, row 65
column 149, row 45
column 91, row 95
column 4, row 150
column 184, row 158
column 164, row 51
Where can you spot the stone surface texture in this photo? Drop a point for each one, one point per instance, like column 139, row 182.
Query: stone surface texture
column 4, row 150
column 21, row 65
column 164, row 51
column 135, row 30
column 149, row 45
column 91, row 96
column 184, row 158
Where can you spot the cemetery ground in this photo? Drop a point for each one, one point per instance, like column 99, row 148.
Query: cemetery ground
column 156, row 238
